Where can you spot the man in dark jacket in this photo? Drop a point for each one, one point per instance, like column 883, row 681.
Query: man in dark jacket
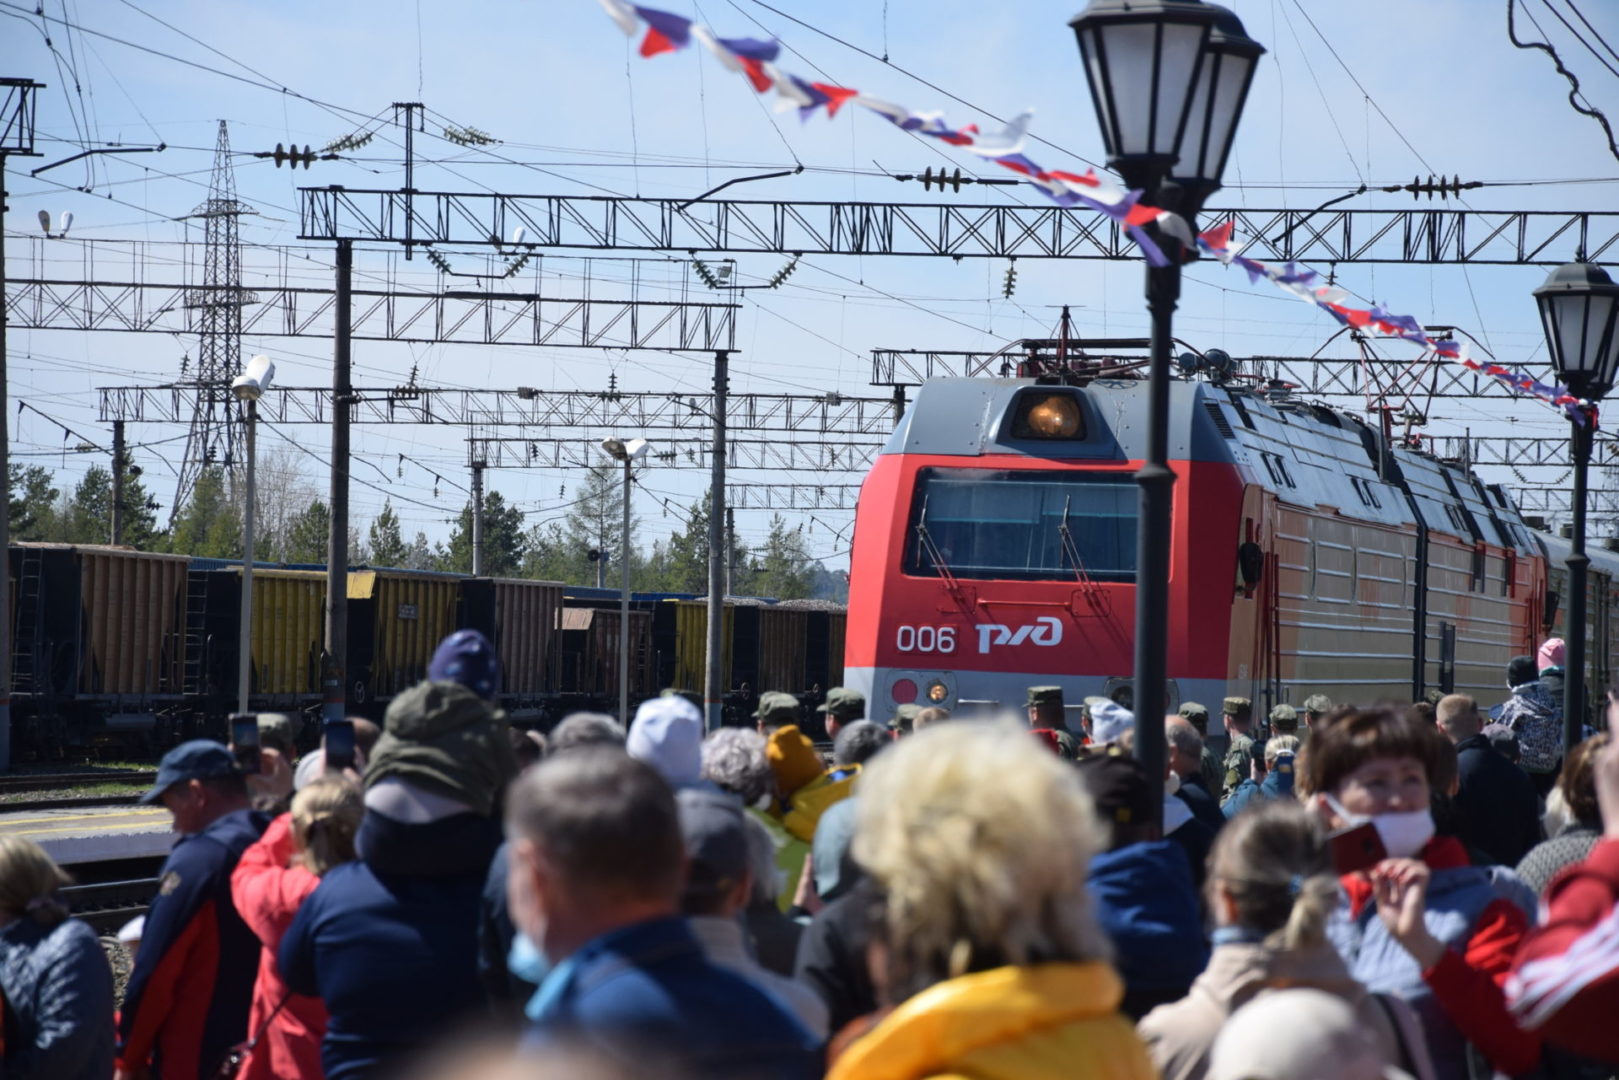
column 1143, row 889
column 390, row 941
column 597, row 867
column 1186, row 762
column 187, row 1000
column 1535, row 715
column 1497, row 811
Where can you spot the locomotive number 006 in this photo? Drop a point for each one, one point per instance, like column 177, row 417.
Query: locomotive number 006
column 940, row 639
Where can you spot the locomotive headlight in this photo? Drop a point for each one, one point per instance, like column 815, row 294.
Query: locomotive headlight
column 1049, row 416
column 937, row 691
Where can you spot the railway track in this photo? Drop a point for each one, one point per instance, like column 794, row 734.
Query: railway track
column 117, row 892
column 25, row 782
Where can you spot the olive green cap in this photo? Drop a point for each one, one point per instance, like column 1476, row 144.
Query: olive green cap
column 904, row 717
column 1045, row 695
column 845, row 704
column 1284, row 718
column 1239, row 707
column 1191, row 710
column 1318, row 704
column 777, row 708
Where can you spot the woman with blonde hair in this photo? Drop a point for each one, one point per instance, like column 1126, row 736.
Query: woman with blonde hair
column 985, row 948
column 55, row 982
column 270, row 882
column 1271, row 890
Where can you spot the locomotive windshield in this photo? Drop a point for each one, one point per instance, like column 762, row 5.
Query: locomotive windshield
column 1025, row 525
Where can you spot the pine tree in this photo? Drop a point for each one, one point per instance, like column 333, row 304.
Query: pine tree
column 420, row 556
column 503, row 540
column 307, row 535
column 32, row 503
column 140, row 512
column 388, row 546
column 782, row 568
column 86, row 517
column 209, row 526
column 687, row 554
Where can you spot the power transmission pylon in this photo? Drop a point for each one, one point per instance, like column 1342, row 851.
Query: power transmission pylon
column 215, row 436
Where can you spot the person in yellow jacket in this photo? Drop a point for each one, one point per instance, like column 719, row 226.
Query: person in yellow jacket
column 984, row 946
column 805, row 787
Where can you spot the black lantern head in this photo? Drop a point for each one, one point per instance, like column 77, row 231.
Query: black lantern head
column 1229, row 61
column 1143, row 59
column 1579, row 307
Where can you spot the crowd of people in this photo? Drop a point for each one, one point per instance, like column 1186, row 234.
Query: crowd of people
column 1319, row 893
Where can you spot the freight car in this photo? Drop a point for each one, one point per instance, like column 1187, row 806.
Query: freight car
column 995, row 549
column 116, row 645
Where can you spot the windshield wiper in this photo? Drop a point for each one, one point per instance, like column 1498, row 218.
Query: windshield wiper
column 1071, row 549
column 932, row 549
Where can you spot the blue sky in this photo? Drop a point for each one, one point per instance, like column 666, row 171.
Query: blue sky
column 580, row 113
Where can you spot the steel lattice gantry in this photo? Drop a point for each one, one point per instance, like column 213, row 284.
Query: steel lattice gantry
column 455, row 316
column 1324, row 376
column 509, row 452
column 612, row 223
column 867, row 420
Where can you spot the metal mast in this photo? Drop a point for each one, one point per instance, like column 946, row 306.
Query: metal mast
column 216, row 435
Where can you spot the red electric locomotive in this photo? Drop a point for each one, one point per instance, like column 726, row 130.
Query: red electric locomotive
column 995, row 548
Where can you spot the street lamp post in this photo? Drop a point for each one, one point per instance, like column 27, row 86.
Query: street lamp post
column 1579, row 309
column 248, row 388
column 629, row 452
column 1169, row 79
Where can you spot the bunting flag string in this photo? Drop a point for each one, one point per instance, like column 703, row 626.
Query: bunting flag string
column 756, row 60
column 1302, row 283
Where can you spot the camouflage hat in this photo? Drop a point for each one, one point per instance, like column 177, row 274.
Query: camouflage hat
column 845, row 704
column 1284, row 718
column 904, row 717
column 1318, row 704
column 1045, row 695
column 1238, row 707
column 777, row 708
column 1194, row 712
column 1434, row 696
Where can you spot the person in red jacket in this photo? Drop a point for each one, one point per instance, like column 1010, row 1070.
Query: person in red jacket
column 270, row 881
column 1422, row 923
column 1565, row 981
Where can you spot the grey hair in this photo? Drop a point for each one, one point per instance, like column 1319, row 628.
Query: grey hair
column 734, row 759
column 1183, row 736
column 584, row 729
column 768, row 878
column 858, row 743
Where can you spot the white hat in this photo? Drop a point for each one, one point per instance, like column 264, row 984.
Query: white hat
column 1109, row 722
column 668, row 735
column 1297, row 1034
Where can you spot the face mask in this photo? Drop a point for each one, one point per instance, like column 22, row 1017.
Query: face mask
column 1403, row 834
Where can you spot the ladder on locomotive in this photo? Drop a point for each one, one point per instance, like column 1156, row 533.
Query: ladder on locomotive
column 25, row 649
column 195, row 673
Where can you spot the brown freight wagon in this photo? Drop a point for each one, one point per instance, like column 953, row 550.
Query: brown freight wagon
column 522, row 620
column 97, row 633
column 589, row 643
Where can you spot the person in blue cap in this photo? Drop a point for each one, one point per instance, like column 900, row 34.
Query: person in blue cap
column 467, row 657
column 187, row 1000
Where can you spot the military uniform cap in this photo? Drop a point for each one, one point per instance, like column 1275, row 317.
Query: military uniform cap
column 1284, row 718
column 845, row 704
column 1239, row 707
column 777, row 708
column 1191, row 710
column 1044, row 695
column 1318, row 704
column 904, row 717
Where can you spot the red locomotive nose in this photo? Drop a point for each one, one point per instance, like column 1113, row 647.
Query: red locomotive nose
column 904, row 691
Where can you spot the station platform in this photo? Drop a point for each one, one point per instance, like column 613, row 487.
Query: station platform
column 77, row 835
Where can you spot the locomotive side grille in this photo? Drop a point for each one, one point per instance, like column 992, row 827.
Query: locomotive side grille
column 1217, row 414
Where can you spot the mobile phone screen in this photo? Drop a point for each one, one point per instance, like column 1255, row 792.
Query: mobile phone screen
column 339, row 745
column 244, row 736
